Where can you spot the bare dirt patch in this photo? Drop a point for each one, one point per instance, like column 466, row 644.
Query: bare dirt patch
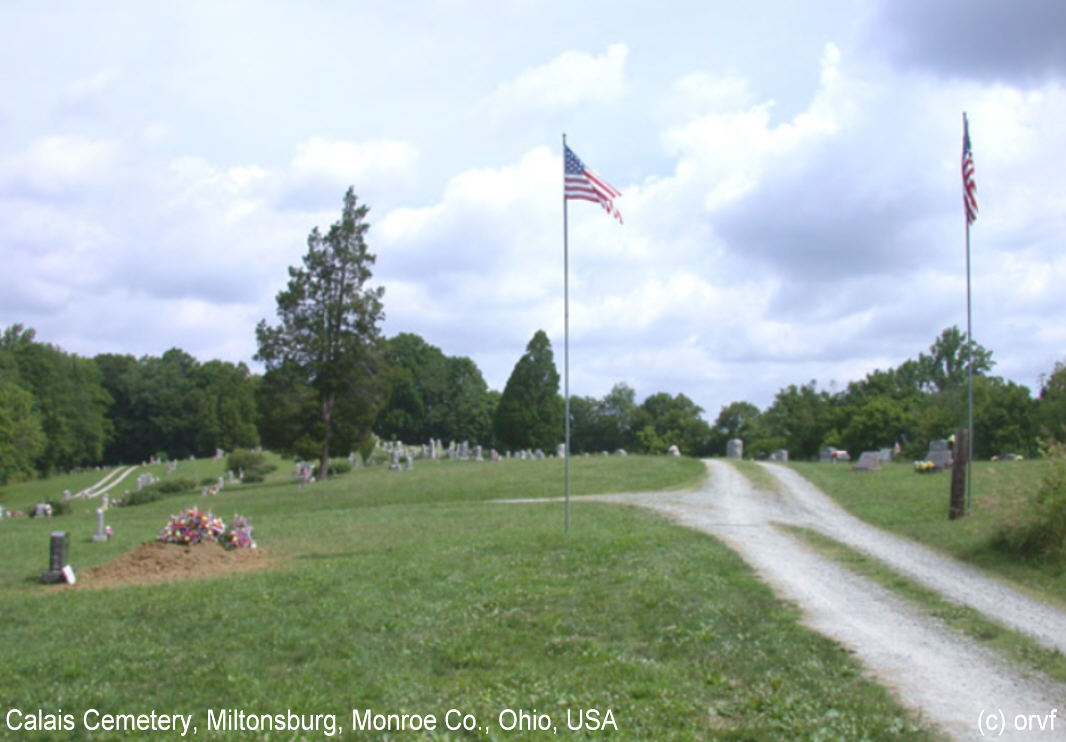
column 155, row 561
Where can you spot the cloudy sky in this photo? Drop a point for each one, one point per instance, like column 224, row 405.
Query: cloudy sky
column 790, row 178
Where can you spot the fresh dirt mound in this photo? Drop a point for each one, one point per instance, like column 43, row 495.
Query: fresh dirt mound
column 155, row 561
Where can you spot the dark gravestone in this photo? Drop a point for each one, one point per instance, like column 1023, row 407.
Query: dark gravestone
column 58, row 551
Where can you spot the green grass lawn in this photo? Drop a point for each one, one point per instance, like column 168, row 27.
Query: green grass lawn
column 406, row 592
column 916, row 505
column 757, row 475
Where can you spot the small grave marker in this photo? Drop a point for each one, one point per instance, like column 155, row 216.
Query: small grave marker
column 58, row 552
column 734, row 448
column 100, row 534
column 940, row 454
column 868, row 461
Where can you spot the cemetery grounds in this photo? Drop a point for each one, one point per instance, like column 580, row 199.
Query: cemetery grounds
column 412, row 592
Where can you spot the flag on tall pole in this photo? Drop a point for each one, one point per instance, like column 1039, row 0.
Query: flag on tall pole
column 969, row 200
column 969, row 185
column 583, row 184
column 586, row 184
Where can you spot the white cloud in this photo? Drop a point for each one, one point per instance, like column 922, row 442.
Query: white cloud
column 766, row 242
column 86, row 89
column 345, row 162
column 60, row 163
column 571, row 79
column 699, row 93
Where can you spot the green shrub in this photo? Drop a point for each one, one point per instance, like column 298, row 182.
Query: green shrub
column 178, row 484
column 242, row 458
column 208, row 481
column 339, row 466
column 158, row 491
column 253, row 463
column 366, row 448
column 59, row 507
column 1041, row 531
column 141, row 497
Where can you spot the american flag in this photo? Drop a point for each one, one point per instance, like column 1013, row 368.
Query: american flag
column 582, row 183
column 969, row 185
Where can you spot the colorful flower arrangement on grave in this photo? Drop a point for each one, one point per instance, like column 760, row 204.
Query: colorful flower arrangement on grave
column 924, row 467
column 239, row 535
column 192, row 526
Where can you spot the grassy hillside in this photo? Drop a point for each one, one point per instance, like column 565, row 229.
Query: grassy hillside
column 406, row 592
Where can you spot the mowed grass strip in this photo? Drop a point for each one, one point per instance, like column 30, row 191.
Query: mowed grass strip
column 916, row 506
column 427, row 606
column 1013, row 645
column 756, row 475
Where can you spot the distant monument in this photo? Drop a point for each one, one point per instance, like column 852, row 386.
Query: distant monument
column 734, row 448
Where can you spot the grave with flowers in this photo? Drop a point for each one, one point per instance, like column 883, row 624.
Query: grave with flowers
column 193, row 526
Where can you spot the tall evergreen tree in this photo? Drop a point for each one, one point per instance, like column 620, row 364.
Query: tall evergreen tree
column 328, row 336
column 530, row 411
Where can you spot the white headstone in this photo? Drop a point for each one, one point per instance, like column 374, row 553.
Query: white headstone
column 99, row 535
column 734, row 448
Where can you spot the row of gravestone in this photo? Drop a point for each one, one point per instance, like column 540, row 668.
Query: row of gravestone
column 939, row 454
column 734, row 449
column 400, row 457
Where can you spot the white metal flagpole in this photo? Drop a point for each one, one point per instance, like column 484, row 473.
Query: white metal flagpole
column 566, row 349
column 970, row 202
column 969, row 394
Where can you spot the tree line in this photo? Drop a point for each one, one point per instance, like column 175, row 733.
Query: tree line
column 922, row 399
column 332, row 383
column 60, row 412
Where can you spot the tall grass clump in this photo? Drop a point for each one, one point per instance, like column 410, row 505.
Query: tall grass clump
column 1039, row 532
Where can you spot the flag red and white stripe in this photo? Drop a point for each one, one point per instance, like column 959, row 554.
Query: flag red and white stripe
column 585, row 184
column 969, row 185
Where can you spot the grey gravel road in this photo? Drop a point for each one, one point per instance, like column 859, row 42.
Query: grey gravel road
column 967, row 690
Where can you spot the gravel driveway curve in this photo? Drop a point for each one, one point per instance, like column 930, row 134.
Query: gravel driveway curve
column 950, row 679
column 958, row 582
